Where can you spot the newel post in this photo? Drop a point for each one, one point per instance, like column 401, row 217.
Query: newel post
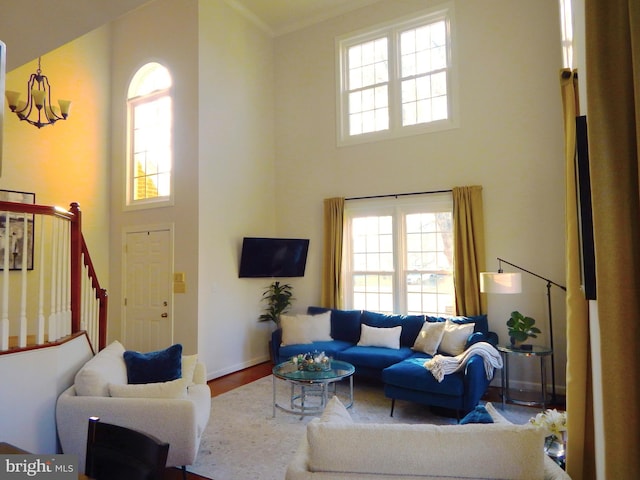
column 76, row 266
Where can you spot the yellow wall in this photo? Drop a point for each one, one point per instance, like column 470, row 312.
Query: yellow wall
column 69, row 161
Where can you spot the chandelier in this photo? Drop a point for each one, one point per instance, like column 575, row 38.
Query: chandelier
column 37, row 110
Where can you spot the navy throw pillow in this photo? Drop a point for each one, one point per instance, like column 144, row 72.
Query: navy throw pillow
column 345, row 324
column 481, row 323
column 153, row 367
column 411, row 324
column 477, row 415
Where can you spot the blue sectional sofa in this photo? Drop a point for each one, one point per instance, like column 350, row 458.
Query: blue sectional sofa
column 400, row 369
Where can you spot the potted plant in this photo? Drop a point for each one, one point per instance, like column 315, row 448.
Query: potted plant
column 278, row 297
column 521, row 328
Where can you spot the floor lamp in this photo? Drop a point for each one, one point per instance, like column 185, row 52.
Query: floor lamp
column 500, row 282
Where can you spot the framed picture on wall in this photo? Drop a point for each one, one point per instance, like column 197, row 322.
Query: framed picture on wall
column 16, row 231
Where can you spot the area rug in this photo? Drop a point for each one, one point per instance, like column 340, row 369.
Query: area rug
column 244, row 441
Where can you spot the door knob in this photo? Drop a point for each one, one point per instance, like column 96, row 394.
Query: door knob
column 164, row 315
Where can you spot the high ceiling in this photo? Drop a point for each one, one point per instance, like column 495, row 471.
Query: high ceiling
column 284, row 16
column 31, row 28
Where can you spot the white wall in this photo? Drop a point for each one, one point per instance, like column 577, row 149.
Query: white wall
column 163, row 33
column 31, row 384
column 236, row 183
column 509, row 141
column 222, row 67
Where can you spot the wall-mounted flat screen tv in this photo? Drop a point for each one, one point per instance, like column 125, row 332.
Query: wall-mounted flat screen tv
column 273, row 257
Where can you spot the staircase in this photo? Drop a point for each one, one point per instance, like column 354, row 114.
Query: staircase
column 49, row 290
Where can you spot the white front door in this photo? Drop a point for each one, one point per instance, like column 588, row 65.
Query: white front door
column 148, row 302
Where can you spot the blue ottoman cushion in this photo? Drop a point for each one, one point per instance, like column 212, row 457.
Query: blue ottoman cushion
column 411, row 374
column 374, row 357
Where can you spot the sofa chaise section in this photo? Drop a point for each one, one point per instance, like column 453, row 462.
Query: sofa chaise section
column 410, row 381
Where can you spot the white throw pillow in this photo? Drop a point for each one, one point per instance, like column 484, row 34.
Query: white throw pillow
column 107, row 367
column 429, row 337
column 318, row 326
column 380, row 337
column 335, row 412
column 300, row 329
column 172, row 389
column 495, row 416
column 188, row 368
column 294, row 330
column 455, row 337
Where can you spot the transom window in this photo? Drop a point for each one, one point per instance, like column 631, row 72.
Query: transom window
column 396, row 79
column 399, row 255
column 150, row 153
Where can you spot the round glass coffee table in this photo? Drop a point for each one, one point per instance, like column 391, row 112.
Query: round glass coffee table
column 310, row 389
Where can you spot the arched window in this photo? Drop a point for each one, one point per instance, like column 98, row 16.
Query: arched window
column 150, row 137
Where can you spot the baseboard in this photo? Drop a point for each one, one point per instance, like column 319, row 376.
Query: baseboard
column 529, row 386
column 237, row 367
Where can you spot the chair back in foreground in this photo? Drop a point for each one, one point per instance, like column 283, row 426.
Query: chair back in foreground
column 118, row 453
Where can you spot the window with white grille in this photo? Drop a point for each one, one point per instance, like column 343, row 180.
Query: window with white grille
column 397, row 79
column 399, row 255
column 150, row 137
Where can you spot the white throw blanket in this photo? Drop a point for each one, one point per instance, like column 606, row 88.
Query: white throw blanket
column 441, row 365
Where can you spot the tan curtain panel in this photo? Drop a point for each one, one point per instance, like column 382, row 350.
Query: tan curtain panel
column 579, row 394
column 613, row 100
column 469, row 250
column 332, row 253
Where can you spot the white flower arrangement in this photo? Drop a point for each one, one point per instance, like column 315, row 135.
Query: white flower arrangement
column 553, row 421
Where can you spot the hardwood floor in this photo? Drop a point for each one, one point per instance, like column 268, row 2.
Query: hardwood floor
column 221, row 385
column 237, row 379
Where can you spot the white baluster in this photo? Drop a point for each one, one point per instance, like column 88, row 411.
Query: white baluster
column 4, row 325
column 53, row 317
column 60, row 281
column 64, row 284
column 40, row 331
column 67, row 280
column 83, row 297
column 22, row 335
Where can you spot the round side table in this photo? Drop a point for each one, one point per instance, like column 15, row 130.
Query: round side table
column 536, row 351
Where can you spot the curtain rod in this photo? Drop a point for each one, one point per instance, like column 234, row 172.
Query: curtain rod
column 398, row 195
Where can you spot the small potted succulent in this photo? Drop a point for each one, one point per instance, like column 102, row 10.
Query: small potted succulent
column 520, row 329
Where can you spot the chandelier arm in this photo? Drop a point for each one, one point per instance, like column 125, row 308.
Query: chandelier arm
column 51, row 115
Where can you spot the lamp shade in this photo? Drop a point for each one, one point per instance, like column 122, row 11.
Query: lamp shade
column 492, row 282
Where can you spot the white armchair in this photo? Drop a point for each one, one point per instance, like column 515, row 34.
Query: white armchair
column 173, row 412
